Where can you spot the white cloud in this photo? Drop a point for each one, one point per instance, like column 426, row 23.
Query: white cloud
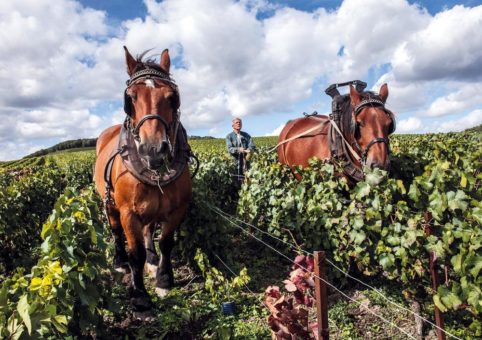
column 55, row 55
column 68, row 61
column 276, row 131
column 449, row 47
column 237, row 65
column 117, row 116
column 409, row 125
column 404, row 97
column 370, row 32
column 474, row 118
column 456, row 102
column 52, row 73
column 57, row 123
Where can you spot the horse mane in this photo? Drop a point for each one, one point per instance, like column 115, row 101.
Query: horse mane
column 144, row 62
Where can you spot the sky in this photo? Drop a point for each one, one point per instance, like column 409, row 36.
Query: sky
column 63, row 72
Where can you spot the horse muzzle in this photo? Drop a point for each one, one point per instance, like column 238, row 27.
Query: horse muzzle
column 379, row 165
column 380, row 154
column 154, row 154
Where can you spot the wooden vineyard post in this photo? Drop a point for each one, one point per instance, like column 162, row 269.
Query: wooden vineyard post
column 439, row 318
column 321, row 296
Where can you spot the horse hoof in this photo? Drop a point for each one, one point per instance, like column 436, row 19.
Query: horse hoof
column 151, row 269
column 141, row 304
column 162, row 292
column 144, row 316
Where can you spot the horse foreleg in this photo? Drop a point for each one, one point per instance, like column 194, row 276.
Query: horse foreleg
column 120, row 256
column 152, row 257
column 136, row 254
column 165, row 276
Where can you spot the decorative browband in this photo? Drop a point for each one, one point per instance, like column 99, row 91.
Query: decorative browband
column 149, row 72
column 366, row 102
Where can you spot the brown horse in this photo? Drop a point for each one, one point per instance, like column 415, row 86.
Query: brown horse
column 141, row 174
column 357, row 133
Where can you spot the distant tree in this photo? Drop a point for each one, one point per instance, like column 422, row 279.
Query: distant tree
column 70, row 144
column 200, row 137
column 477, row 128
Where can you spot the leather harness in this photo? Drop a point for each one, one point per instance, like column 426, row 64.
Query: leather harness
column 180, row 151
column 341, row 111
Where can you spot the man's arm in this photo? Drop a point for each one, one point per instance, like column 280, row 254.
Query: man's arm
column 251, row 145
column 233, row 150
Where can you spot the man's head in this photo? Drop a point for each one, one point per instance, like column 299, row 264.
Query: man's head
column 237, row 124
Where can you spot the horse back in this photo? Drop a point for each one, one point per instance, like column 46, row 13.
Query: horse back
column 107, row 141
column 106, row 136
column 300, row 149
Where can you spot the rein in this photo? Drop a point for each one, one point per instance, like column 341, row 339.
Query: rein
column 299, row 135
column 353, row 152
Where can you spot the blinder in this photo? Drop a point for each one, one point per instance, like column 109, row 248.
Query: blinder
column 127, row 103
column 393, row 124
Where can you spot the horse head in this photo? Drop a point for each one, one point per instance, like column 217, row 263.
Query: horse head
column 151, row 101
column 371, row 125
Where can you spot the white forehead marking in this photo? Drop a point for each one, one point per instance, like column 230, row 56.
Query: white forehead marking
column 149, row 83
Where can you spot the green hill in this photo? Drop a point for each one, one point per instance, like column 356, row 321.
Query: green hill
column 70, row 144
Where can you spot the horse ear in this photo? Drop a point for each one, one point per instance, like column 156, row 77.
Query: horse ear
column 354, row 96
column 130, row 62
column 165, row 61
column 383, row 92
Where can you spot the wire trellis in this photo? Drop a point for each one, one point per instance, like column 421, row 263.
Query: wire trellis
column 228, row 217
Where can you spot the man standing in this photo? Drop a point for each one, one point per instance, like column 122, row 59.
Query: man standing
column 239, row 145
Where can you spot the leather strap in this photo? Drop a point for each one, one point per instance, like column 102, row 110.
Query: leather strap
column 299, row 135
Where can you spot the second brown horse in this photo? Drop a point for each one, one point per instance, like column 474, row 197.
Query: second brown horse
column 363, row 130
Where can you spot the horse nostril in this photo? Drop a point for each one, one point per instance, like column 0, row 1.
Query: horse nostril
column 374, row 165
column 153, row 151
column 143, row 149
column 383, row 166
column 164, row 147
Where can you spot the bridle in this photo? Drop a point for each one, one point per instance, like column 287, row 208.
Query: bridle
column 372, row 102
column 145, row 74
